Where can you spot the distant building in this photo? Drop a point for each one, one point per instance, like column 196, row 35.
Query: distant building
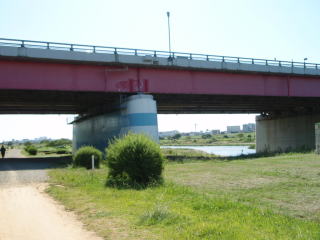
column 168, row 133
column 250, row 127
column 233, row 129
column 215, row 131
column 39, row 139
column 195, row 133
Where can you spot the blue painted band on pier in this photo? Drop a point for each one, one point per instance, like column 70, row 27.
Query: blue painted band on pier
column 139, row 119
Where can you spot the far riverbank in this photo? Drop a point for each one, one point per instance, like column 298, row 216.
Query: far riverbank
column 231, row 139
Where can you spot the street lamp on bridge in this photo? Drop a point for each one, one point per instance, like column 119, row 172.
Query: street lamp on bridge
column 168, row 15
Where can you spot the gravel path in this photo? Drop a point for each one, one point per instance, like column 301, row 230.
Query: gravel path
column 26, row 211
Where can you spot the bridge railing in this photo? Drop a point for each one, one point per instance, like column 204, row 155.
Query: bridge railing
column 153, row 53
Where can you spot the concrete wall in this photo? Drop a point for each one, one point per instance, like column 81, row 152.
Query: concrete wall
column 285, row 133
column 96, row 131
column 137, row 114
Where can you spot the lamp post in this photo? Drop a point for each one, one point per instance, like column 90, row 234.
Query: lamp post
column 168, row 15
column 304, row 62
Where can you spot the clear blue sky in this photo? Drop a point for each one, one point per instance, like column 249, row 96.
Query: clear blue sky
column 282, row 29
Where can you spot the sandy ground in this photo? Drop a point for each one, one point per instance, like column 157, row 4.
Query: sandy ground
column 27, row 212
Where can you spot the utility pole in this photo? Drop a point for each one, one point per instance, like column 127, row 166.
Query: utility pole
column 168, row 15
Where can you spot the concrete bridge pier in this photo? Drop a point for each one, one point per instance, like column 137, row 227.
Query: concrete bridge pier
column 285, row 133
column 137, row 113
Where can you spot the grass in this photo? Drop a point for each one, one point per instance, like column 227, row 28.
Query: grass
column 263, row 198
column 287, row 183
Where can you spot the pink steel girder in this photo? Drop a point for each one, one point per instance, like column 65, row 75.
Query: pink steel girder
column 47, row 76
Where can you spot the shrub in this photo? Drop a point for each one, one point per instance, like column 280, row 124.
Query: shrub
column 32, row 150
column 62, row 151
column 134, row 161
column 83, row 157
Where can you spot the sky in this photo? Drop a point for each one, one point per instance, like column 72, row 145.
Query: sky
column 281, row 29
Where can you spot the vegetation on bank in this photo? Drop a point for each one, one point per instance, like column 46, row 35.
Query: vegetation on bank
column 260, row 198
column 184, row 154
column 47, row 148
column 210, row 139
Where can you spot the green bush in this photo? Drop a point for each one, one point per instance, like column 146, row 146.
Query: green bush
column 62, row 151
column 134, row 161
column 32, row 150
column 83, row 157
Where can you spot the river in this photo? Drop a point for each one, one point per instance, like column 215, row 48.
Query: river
column 220, row 150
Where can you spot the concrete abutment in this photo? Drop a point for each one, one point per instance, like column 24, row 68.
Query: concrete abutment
column 137, row 114
column 285, row 133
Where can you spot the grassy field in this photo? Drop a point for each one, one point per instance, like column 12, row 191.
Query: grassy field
column 51, row 148
column 263, row 198
column 288, row 183
column 211, row 140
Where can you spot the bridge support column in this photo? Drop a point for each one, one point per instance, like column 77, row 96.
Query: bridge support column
column 138, row 114
column 290, row 133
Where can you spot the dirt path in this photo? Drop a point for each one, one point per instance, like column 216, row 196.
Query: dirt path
column 14, row 153
column 26, row 211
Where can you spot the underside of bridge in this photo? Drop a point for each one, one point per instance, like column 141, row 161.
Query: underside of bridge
column 102, row 86
column 60, row 102
column 285, row 123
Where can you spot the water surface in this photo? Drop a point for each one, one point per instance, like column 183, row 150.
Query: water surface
column 220, row 150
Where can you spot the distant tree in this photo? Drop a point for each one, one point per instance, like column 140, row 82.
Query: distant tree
column 206, row 136
column 45, row 142
column 176, row 136
column 240, row 135
column 59, row 142
column 28, row 143
column 225, row 136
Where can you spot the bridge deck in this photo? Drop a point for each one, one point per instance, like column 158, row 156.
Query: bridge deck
column 65, row 52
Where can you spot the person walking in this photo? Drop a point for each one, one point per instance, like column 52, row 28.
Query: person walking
column 3, row 151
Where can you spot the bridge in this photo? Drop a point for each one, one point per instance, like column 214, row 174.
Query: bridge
column 115, row 90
